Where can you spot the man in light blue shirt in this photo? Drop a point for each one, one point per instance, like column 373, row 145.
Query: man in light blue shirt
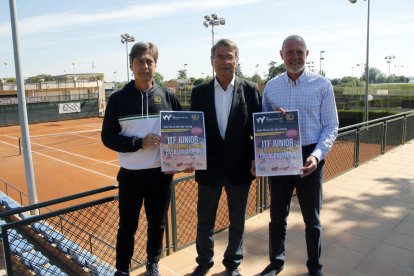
column 313, row 96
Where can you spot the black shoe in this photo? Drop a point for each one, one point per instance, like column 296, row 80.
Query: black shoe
column 233, row 272
column 272, row 270
column 201, row 270
column 121, row 273
column 152, row 269
column 316, row 273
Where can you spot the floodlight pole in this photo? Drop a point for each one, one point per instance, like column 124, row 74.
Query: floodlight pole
column 125, row 38
column 388, row 59
column 398, row 68
column 367, row 68
column 212, row 21
column 5, row 64
column 320, row 62
column 366, row 62
column 27, row 151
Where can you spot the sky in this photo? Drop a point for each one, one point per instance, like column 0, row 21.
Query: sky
column 54, row 35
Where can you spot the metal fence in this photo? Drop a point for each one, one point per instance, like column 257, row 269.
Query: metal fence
column 81, row 239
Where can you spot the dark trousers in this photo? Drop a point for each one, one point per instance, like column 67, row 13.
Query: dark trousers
column 208, row 199
column 309, row 193
column 153, row 188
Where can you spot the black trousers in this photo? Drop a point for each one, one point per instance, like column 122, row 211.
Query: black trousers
column 153, row 189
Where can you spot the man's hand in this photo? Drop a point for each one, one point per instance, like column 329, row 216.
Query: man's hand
column 280, row 109
column 189, row 170
column 151, row 140
column 310, row 166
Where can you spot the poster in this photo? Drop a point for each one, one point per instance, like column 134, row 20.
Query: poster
column 183, row 141
column 278, row 147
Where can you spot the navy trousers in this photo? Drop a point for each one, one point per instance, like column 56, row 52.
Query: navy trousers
column 309, row 193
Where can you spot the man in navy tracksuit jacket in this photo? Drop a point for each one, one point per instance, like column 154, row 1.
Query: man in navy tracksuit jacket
column 131, row 127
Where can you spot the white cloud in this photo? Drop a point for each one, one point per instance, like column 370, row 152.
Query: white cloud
column 36, row 24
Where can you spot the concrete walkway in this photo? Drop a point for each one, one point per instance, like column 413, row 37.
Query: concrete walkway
column 368, row 220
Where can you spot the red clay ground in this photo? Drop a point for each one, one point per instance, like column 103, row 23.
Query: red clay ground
column 68, row 158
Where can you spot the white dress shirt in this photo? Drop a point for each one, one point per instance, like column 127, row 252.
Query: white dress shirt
column 223, row 99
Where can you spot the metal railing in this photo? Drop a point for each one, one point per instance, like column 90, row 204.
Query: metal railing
column 14, row 192
column 91, row 227
column 61, row 238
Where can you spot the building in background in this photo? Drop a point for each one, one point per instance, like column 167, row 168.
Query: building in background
column 66, row 87
column 182, row 88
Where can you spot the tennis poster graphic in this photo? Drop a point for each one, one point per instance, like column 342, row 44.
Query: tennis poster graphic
column 277, row 142
column 69, row 108
column 183, row 143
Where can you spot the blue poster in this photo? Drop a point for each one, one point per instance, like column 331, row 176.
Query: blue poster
column 183, row 143
column 278, row 147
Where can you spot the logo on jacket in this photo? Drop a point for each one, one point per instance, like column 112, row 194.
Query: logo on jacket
column 157, row 99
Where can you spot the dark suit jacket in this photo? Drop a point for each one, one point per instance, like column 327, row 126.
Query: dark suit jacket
column 231, row 157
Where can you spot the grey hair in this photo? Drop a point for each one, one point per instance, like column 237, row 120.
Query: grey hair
column 227, row 43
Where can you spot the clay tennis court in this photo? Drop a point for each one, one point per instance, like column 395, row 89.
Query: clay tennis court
column 68, row 158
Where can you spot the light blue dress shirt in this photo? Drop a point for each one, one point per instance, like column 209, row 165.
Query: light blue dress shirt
column 313, row 96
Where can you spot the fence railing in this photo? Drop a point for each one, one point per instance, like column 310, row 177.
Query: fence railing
column 81, row 239
column 14, row 192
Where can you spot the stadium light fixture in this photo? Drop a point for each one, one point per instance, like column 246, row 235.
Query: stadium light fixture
column 212, row 21
column 125, row 38
column 320, row 62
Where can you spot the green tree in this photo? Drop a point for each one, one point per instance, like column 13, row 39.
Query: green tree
column 11, row 80
column 239, row 72
column 402, row 79
column 99, row 76
column 159, row 79
column 37, row 78
column 349, row 81
column 274, row 70
column 255, row 78
column 208, row 78
column 182, row 74
column 198, row 81
column 375, row 76
column 336, row 81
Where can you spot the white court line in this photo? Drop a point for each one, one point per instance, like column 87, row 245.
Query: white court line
column 65, row 133
column 65, row 126
column 64, row 162
column 70, row 153
column 74, row 133
column 115, row 160
column 83, row 136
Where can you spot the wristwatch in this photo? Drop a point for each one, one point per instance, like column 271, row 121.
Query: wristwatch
column 135, row 141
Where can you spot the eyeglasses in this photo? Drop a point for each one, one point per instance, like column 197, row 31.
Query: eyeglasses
column 225, row 58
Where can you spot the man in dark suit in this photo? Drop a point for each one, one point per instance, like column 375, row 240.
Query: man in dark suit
column 228, row 103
